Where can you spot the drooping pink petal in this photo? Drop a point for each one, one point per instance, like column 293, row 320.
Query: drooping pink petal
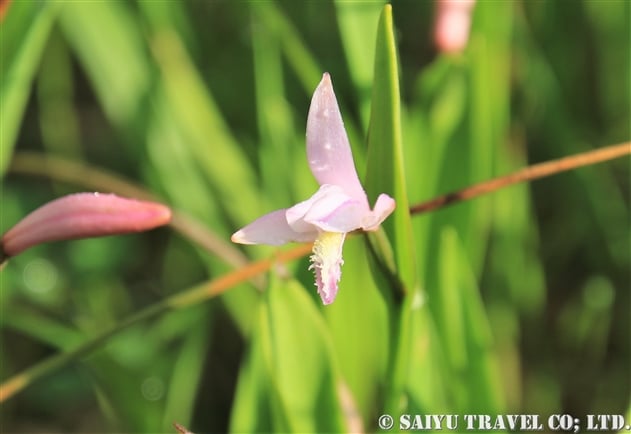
column 384, row 206
column 328, row 149
column 83, row 215
column 272, row 229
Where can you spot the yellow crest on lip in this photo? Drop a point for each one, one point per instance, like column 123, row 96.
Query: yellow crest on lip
column 326, row 262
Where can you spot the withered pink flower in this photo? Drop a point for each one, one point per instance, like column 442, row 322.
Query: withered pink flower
column 83, row 215
column 453, row 22
column 338, row 207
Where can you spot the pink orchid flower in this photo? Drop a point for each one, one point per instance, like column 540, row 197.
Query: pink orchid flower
column 338, row 207
column 83, row 215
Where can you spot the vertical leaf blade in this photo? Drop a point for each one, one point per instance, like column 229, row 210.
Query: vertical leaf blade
column 292, row 345
column 385, row 168
column 23, row 35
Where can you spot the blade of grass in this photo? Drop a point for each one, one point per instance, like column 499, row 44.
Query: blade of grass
column 298, row 342
column 448, row 309
column 356, row 21
column 257, row 406
column 46, row 330
column 277, row 138
column 186, row 376
column 196, row 113
column 23, row 35
column 465, row 331
column 385, row 173
column 490, row 52
column 298, row 56
column 121, row 90
column 58, row 116
column 359, row 311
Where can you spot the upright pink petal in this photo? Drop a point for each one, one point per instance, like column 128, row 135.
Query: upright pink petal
column 328, row 149
column 83, row 215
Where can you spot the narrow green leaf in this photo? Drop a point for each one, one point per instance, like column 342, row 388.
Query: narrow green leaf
column 299, row 386
column 449, row 303
column 49, row 331
column 281, row 156
column 465, row 330
column 301, row 353
column 385, row 174
column 491, row 49
column 356, row 21
column 385, row 168
column 359, row 312
column 515, row 232
column 187, row 373
column 197, row 115
column 299, row 57
column 58, row 116
column 431, row 123
column 23, row 35
column 121, row 81
column 256, row 403
column 427, row 372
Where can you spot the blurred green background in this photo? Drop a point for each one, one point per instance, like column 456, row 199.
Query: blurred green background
column 519, row 301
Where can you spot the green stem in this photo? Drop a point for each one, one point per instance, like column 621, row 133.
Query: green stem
column 400, row 338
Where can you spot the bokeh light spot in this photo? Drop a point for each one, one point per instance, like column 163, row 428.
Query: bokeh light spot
column 152, row 389
column 40, row 276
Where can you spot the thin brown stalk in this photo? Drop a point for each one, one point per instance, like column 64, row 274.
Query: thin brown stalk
column 529, row 173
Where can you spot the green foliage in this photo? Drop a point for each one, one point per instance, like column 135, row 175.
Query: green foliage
column 23, row 40
column 515, row 302
column 289, row 374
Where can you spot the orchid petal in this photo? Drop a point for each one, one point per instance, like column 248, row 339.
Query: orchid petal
column 330, row 209
column 328, row 149
column 345, row 218
column 383, row 208
column 272, row 229
column 295, row 215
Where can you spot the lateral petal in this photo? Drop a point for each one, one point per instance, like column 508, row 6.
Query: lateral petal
column 272, row 229
column 384, row 206
column 330, row 209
